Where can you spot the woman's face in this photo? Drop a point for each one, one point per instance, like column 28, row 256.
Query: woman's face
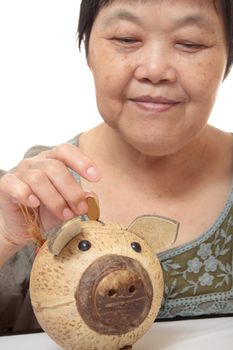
column 157, row 66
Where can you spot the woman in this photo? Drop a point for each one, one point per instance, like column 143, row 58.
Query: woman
column 157, row 66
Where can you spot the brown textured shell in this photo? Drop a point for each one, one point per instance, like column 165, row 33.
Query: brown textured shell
column 54, row 281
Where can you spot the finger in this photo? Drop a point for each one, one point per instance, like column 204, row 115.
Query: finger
column 65, row 184
column 45, row 191
column 75, row 159
column 18, row 191
column 88, row 194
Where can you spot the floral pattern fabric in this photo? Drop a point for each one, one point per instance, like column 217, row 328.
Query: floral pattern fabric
column 198, row 276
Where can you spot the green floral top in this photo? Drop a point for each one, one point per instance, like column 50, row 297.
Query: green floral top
column 198, row 275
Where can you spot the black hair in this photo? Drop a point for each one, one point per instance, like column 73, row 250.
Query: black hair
column 89, row 9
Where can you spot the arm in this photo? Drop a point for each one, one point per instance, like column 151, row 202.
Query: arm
column 7, row 250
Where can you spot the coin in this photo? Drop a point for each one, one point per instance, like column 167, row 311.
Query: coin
column 93, row 208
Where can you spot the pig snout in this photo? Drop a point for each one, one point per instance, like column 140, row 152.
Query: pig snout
column 114, row 295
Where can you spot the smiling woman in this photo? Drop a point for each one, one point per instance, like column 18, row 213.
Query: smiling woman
column 175, row 55
column 156, row 84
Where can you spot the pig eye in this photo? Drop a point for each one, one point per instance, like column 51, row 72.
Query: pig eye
column 136, row 246
column 84, row 245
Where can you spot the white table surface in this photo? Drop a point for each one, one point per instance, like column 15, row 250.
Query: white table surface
column 203, row 334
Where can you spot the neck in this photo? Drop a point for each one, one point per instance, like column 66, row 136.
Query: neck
column 168, row 173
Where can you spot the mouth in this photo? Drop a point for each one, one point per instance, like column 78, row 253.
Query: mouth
column 155, row 104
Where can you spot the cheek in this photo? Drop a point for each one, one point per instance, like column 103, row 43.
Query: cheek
column 111, row 77
column 112, row 80
column 204, row 78
column 111, row 72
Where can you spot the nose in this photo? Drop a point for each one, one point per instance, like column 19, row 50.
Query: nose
column 156, row 65
column 121, row 298
column 114, row 295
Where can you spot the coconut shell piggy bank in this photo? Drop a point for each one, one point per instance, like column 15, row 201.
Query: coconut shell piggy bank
column 96, row 285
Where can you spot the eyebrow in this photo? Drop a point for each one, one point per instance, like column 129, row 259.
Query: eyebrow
column 196, row 19
column 193, row 19
column 122, row 15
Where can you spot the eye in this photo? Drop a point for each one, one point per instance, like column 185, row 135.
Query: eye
column 136, row 247
column 126, row 40
column 84, row 245
column 190, row 46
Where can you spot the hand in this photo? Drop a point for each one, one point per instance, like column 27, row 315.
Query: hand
column 45, row 184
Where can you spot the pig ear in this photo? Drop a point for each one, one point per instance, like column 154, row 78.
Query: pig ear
column 158, row 231
column 60, row 236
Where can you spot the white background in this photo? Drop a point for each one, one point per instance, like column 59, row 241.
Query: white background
column 46, row 90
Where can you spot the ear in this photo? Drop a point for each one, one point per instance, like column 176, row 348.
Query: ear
column 60, row 236
column 158, row 231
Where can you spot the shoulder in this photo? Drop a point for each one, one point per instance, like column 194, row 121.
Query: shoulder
column 33, row 151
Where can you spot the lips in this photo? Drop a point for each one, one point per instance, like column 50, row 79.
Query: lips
column 157, row 104
column 159, row 99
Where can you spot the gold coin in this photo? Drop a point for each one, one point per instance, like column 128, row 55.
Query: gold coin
column 93, row 208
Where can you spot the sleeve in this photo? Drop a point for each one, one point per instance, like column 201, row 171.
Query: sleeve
column 16, row 312
column 2, row 172
column 33, row 151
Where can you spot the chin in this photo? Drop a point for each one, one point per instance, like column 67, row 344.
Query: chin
column 154, row 145
column 154, row 148
column 161, row 141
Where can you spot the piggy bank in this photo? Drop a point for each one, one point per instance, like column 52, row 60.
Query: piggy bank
column 97, row 285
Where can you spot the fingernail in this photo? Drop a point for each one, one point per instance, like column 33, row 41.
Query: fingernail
column 34, row 201
column 82, row 208
column 67, row 214
column 92, row 173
